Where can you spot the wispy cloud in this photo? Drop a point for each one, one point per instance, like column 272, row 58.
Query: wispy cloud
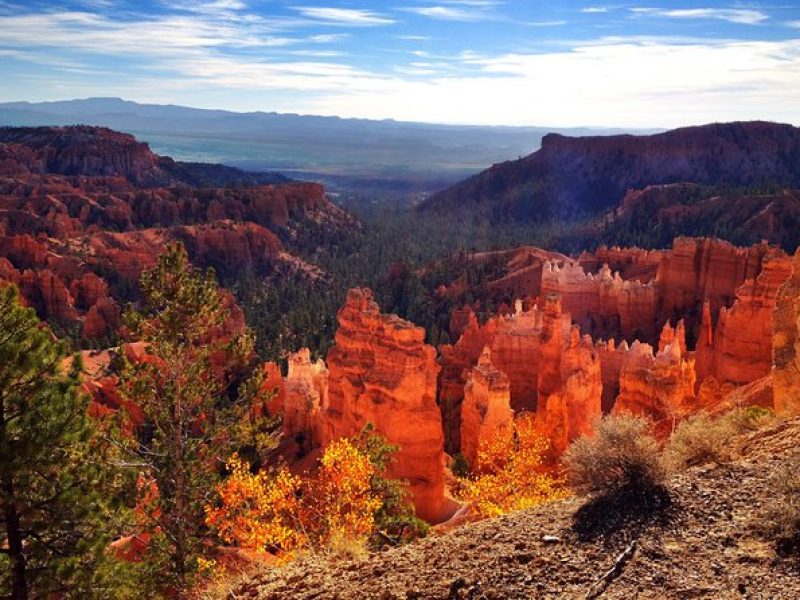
column 744, row 16
column 447, row 13
column 292, row 60
column 545, row 23
column 595, row 9
column 344, row 16
column 457, row 10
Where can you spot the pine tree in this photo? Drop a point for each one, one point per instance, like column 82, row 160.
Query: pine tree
column 188, row 410
column 50, row 474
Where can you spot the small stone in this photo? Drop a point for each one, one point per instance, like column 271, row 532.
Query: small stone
column 551, row 539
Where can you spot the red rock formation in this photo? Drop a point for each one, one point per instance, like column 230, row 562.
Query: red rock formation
column 786, row 344
column 604, row 304
column 741, row 351
column 274, row 388
column 88, row 290
column 459, row 320
column 570, row 410
column 382, row 372
column 103, row 318
column 456, row 361
column 306, row 389
column 661, row 387
column 700, row 269
column 486, row 410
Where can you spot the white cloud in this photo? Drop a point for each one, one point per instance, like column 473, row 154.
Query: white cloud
column 794, row 24
column 619, row 84
column 594, row 9
column 733, row 15
column 620, row 81
column 446, row 13
column 545, row 23
column 344, row 16
column 326, row 38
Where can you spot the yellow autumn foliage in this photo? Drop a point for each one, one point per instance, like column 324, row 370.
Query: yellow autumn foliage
column 508, row 473
column 281, row 512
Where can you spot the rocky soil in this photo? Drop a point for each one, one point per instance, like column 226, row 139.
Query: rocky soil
column 706, row 541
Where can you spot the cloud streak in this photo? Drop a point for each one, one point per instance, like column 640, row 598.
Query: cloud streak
column 394, row 63
column 344, row 16
column 732, row 15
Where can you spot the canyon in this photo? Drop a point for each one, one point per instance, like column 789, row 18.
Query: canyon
column 711, row 315
column 701, row 325
column 83, row 210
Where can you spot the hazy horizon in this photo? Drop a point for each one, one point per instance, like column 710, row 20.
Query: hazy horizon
column 464, row 62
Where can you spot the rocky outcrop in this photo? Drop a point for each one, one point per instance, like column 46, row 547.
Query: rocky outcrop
column 786, row 344
column 306, row 395
column 604, row 304
column 707, row 269
column 456, row 361
column 659, row 386
column 486, row 410
column 741, row 348
column 83, row 210
column 382, row 372
column 667, row 211
column 591, row 174
column 102, row 318
column 98, row 151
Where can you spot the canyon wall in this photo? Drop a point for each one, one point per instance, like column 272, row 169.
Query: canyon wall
column 486, row 411
column 786, row 344
column 382, row 372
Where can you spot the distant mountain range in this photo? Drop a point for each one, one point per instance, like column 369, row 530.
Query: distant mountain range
column 346, row 154
column 571, row 176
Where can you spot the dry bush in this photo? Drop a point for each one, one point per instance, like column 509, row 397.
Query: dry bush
column 703, row 438
column 621, row 456
column 700, row 439
column 749, row 418
column 783, row 514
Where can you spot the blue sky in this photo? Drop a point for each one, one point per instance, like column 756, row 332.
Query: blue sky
column 640, row 64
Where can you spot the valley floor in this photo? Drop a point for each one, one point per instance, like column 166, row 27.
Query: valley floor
column 706, row 544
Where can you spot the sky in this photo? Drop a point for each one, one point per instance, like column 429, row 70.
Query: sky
column 493, row 62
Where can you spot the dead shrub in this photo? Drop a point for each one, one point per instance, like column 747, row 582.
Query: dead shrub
column 783, row 514
column 750, row 418
column 698, row 440
column 621, row 455
column 703, row 438
column 621, row 467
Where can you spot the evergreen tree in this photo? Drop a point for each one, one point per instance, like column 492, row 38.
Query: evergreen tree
column 188, row 411
column 50, row 474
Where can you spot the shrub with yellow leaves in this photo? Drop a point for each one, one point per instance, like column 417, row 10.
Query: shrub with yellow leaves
column 508, row 473
column 343, row 502
column 281, row 512
column 258, row 511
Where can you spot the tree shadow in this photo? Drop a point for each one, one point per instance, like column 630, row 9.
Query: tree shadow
column 625, row 508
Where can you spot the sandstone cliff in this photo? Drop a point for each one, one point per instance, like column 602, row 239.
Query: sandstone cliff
column 382, row 372
column 590, row 174
column 786, row 344
column 486, row 410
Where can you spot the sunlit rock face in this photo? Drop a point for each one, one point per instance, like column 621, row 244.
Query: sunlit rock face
column 456, row 362
column 786, row 344
column 739, row 348
column 486, row 410
column 305, row 393
column 382, row 372
column 660, row 386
